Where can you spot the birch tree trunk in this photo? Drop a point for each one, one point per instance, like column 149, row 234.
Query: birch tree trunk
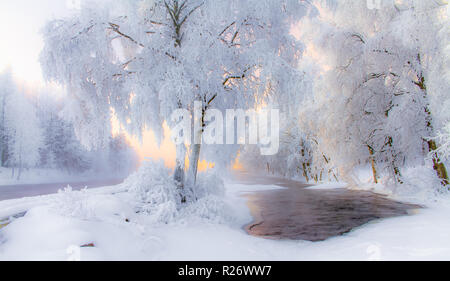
column 373, row 162
column 196, row 146
column 193, row 161
column 438, row 166
column 179, row 175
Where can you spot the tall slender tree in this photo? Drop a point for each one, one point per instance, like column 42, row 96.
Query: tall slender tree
column 7, row 89
column 24, row 133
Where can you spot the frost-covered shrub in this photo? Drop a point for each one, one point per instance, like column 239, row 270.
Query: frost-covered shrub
column 155, row 191
column 152, row 197
column 157, row 196
column 421, row 183
column 90, row 206
column 73, row 204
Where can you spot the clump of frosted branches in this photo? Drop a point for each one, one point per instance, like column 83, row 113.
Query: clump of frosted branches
column 155, row 191
column 157, row 195
column 444, row 140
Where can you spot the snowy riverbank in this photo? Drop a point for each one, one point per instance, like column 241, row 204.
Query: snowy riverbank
column 57, row 225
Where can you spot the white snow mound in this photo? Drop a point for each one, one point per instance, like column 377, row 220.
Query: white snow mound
column 158, row 196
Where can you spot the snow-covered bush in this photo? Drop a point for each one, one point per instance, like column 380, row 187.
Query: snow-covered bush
column 90, row 206
column 421, row 185
column 72, row 203
column 150, row 195
column 157, row 195
column 155, row 191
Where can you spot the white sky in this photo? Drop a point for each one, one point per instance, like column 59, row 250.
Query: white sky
column 21, row 41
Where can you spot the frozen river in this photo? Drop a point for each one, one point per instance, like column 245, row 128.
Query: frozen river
column 31, row 190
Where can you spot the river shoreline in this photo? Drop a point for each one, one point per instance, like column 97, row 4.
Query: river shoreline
column 297, row 212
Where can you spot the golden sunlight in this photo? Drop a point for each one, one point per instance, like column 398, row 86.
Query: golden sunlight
column 148, row 148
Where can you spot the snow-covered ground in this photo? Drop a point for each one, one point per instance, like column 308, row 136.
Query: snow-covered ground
column 57, row 225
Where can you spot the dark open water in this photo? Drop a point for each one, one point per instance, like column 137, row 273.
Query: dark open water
column 299, row 213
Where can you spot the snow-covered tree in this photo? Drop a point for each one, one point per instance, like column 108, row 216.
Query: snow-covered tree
column 146, row 59
column 7, row 88
column 24, row 133
column 440, row 84
column 61, row 149
column 370, row 97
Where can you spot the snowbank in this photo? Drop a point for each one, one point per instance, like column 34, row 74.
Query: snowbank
column 420, row 185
